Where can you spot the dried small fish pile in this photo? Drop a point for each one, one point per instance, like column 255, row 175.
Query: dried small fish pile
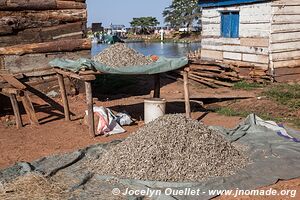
column 173, row 148
column 119, row 55
column 33, row 186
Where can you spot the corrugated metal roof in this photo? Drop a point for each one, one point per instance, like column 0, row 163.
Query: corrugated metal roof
column 222, row 3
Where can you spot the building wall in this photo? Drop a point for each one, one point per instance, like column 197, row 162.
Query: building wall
column 285, row 40
column 252, row 46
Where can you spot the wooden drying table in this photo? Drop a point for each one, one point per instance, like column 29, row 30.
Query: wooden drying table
column 11, row 87
column 89, row 75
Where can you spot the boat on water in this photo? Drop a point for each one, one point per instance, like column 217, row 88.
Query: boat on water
column 106, row 39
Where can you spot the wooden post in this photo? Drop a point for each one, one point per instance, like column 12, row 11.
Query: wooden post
column 64, row 96
column 15, row 106
column 29, row 108
column 156, row 86
column 89, row 101
column 186, row 94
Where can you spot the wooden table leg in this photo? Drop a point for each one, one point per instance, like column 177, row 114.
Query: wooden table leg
column 186, row 94
column 89, row 101
column 64, row 96
column 156, row 86
column 29, row 108
column 15, row 106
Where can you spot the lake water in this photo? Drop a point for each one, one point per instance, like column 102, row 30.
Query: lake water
column 169, row 50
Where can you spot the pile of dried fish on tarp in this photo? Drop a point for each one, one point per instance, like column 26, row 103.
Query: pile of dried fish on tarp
column 173, row 148
column 119, row 55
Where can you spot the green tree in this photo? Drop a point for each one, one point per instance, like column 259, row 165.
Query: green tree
column 144, row 24
column 182, row 13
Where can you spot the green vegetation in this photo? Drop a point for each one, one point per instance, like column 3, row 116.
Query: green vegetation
column 144, row 24
column 285, row 94
column 182, row 13
column 243, row 85
column 231, row 112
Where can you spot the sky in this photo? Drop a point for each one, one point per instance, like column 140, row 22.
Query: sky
column 122, row 11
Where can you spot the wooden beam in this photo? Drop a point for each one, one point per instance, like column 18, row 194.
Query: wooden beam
column 85, row 77
column 20, row 20
column 89, row 101
column 13, row 81
column 16, row 110
column 186, row 94
column 46, row 47
column 156, row 86
column 64, row 96
column 29, row 108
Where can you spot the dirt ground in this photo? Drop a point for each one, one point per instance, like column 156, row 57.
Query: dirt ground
column 54, row 135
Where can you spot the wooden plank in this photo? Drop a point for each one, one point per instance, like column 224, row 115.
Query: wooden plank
column 29, row 109
column 288, row 55
column 295, row 10
column 64, row 96
column 282, row 37
column 286, row 3
column 20, row 20
column 198, row 79
column 287, row 78
column 214, row 75
column 55, row 46
column 232, row 56
column 287, row 63
column 238, row 49
column 16, row 110
column 13, row 81
column 256, row 58
column 70, row 5
column 35, row 62
column 220, row 41
column 285, row 18
column 205, row 68
column 38, row 35
column 186, row 94
column 255, row 30
column 286, row 71
column 206, row 53
column 286, row 46
column 255, row 42
column 285, row 28
column 89, row 101
column 156, row 86
column 28, row 5
column 247, row 64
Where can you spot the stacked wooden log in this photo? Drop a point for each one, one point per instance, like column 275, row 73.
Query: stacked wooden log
column 213, row 74
column 33, row 32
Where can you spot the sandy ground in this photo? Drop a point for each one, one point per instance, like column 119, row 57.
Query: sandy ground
column 54, row 135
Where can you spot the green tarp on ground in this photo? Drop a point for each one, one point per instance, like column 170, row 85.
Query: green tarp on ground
column 273, row 158
column 160, row 66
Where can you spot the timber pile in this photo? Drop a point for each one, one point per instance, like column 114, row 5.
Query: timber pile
column 215, row 74
column 33, row 32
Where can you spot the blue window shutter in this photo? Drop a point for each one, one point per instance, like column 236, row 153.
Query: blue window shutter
column 226, row 24
column 230, row 24
column 235, row 21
